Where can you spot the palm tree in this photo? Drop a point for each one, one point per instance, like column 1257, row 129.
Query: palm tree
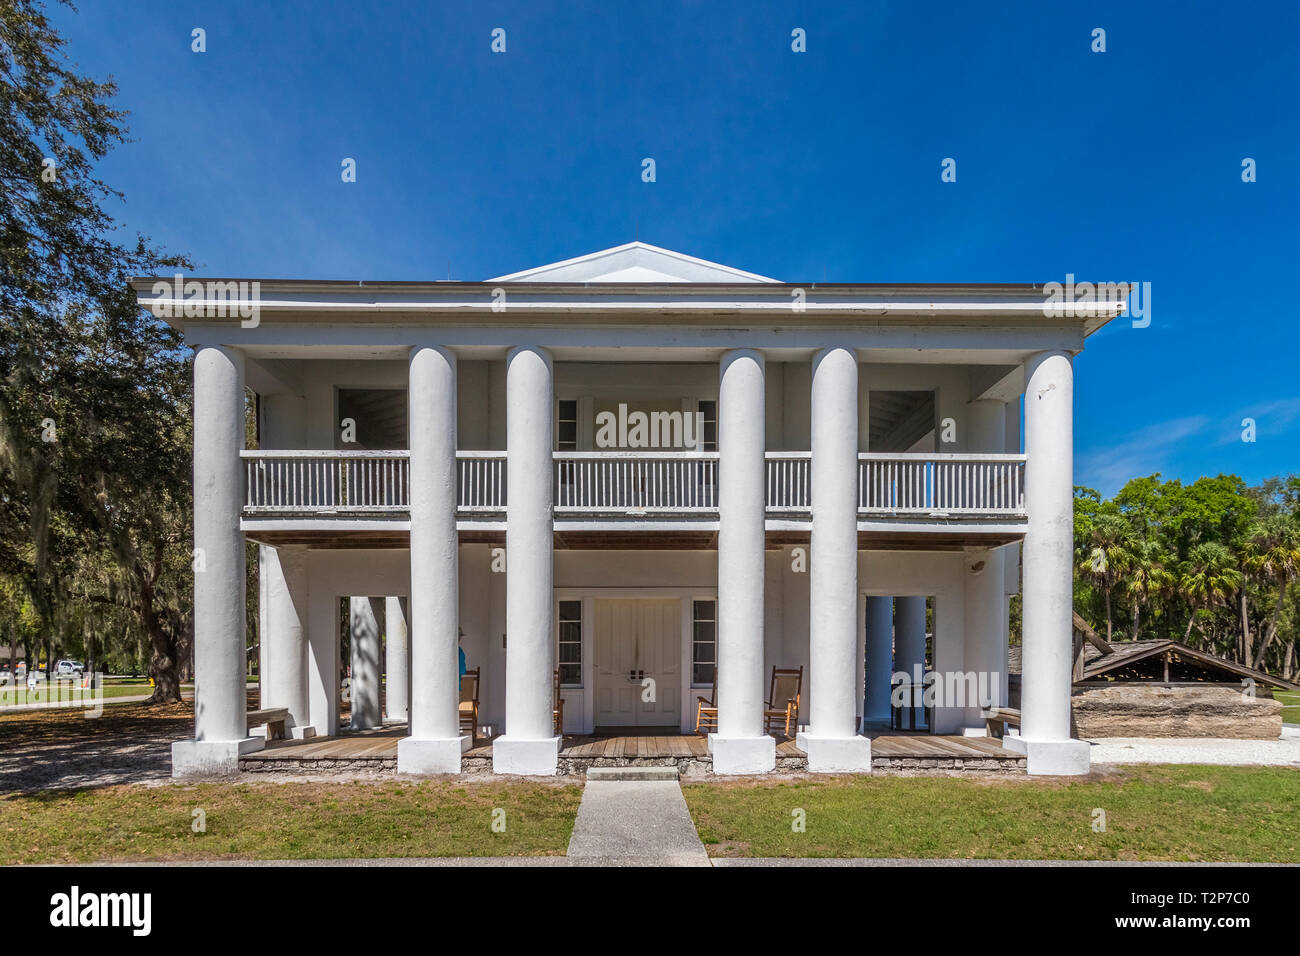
column 1209, row 576
column 1105, row 554
column 1273, row 553
column 1148, row 577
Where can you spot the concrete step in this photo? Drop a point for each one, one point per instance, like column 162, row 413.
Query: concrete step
column 632, row 773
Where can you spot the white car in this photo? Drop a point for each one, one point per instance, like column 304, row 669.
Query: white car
column 67, row 668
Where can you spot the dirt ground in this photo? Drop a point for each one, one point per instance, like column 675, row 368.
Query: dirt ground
column 54, row 749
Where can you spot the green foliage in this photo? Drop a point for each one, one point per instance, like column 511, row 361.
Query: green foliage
column 1213, row 563
column 94, row 407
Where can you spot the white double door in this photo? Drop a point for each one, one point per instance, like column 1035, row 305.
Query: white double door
column 638, row 645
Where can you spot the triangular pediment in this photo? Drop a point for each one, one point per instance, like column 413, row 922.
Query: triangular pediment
column 633, row 262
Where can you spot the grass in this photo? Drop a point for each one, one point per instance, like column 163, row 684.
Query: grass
column 1290, row 700
column 267, row 821
column 1192, row 813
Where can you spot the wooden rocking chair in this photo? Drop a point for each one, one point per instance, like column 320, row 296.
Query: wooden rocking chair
column 469, row 703
column 706, row 710
column 558, row 712
column 782, row 705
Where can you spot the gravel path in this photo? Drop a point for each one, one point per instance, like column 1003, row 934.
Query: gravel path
column 1284, row 752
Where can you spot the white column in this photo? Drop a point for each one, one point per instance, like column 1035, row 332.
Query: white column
column 530, row 745
column 434, row 742
column 832, row 742
column 985, row 643
column 880, row 659
column 1048, row 586
column 365, row 645
column 397, row 660
column 284, row 575
column 220, row 731
column 740, row 746
column 324, row 670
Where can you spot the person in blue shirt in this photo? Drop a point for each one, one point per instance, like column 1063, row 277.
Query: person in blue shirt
column 460, row 637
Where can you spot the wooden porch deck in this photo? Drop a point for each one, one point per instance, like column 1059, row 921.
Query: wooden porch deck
column 381, row 745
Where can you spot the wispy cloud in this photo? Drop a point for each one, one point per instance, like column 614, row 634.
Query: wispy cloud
column 1143, row 452
column 1272, row 418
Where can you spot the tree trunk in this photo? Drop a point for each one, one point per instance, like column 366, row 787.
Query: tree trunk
column 162, row 660
column 1137, row 616
column 1245, row 645
column 1109, row 623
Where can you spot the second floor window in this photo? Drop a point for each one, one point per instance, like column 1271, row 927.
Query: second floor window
column 567, row 425
column 709, row 420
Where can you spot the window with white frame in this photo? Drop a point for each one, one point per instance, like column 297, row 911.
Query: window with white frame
column 709, row 426
column 704, row 641
column 566, row 425
column 570, row 643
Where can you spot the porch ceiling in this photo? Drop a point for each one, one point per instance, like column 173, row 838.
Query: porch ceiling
column 616, row 540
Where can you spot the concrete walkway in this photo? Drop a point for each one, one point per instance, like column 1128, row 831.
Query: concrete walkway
column 634, row 823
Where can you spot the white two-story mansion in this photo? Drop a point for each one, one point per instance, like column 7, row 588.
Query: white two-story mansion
column 634, row 476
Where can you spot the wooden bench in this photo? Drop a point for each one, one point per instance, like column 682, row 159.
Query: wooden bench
column 998, row 719
column 273, row 718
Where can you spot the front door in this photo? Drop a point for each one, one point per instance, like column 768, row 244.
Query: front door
column 638, row 662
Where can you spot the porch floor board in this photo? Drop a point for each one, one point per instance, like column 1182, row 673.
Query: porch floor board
column 381, row 744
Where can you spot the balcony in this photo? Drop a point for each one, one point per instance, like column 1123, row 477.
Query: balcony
column 620, row 485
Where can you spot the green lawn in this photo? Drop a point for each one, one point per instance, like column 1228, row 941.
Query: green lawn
column 1290, row 700
column 1151, row 813
column 268, row 821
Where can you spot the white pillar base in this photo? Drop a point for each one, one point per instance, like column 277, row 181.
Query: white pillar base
column 734, row 755
column 1052, row 758
column 531, row 758
column 836, row 754
column 975, row 731
column 426, row 755
column 211, row 758
column 302, row 733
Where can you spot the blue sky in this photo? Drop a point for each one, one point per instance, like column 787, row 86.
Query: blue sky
column 1115, row 166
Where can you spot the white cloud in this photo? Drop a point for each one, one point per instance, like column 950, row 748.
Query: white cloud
column 1140, row 453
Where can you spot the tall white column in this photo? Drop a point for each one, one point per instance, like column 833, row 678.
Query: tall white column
column 1048, row 586
column 397, row 660
column 530, row 745
column 220, row 731
column 832, row 742
column 985, row 642
column 284, row 575
column 880, row 659
column 365, row 645
column 740, row 746
column 434, row 743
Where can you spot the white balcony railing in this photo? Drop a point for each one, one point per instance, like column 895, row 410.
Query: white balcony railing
column 326, row 482
column 630, row 483
column 938, row 485
column 788, row 482
column 622, row 482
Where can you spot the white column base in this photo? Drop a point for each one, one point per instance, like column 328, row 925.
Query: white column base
column 734, row 755
column 531, row 758
column 211, row 758
column 302, row 733
column 836, row 754
column 975, row 731
column 1052, row 758
column 430, row 755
